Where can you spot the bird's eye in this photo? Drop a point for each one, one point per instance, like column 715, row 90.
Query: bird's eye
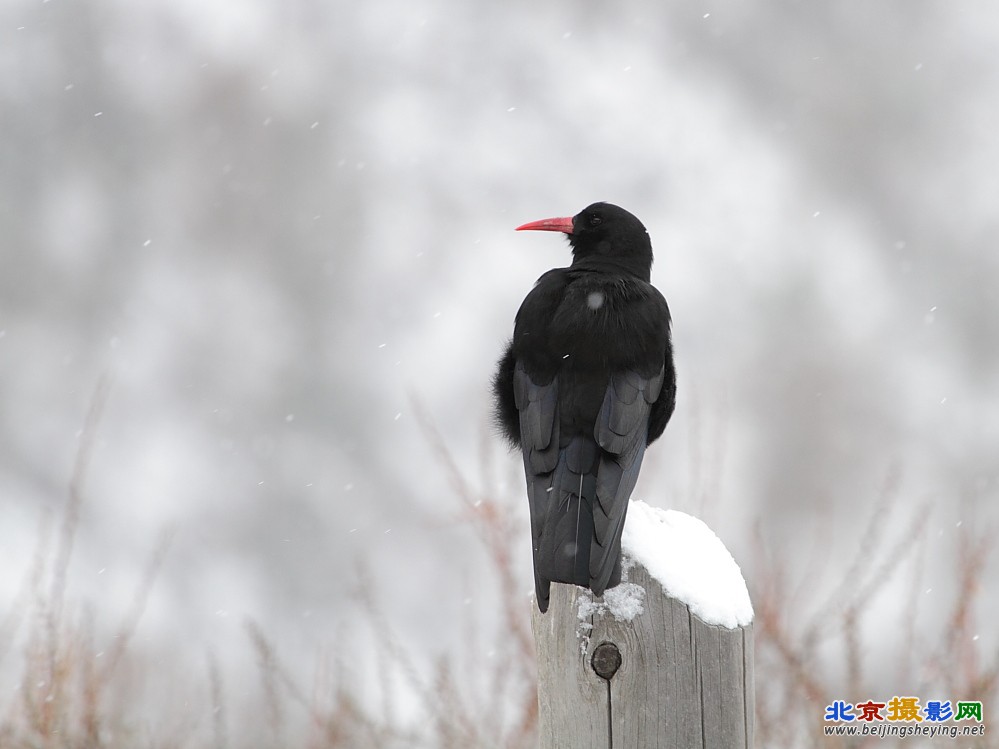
column 595, row 220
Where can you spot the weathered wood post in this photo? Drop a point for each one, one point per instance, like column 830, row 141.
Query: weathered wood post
column 663, row 660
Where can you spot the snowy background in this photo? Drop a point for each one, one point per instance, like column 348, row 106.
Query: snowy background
column 277, row 227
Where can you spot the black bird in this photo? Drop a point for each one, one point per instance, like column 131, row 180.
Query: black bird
column 584, row 386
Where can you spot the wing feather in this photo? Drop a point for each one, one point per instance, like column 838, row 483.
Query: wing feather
column 621, row 430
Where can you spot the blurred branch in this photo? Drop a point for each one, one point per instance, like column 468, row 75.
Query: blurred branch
column 128, row 626
column 495, row 527
column 71, row 512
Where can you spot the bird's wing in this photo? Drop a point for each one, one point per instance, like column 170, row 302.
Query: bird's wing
column 539, row 441
column 621, row 430
column 662, row 408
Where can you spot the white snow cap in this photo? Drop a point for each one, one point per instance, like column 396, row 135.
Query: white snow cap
column 690, row 562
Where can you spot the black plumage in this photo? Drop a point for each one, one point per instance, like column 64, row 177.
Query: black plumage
column 586, row 383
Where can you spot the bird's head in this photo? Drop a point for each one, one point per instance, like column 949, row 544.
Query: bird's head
column 604, row 231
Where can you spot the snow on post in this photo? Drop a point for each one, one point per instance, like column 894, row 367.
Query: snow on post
column 664, row 659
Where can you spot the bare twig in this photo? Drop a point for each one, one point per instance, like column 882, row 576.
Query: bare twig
column 134, row 615
column 216, row 692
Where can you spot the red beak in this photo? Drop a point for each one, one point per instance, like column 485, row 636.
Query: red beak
column 549, row 224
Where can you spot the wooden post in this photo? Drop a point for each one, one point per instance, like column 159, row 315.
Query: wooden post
column 673, row 681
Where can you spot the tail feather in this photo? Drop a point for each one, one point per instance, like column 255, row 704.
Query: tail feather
column 564, row 543
column 579, row 486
